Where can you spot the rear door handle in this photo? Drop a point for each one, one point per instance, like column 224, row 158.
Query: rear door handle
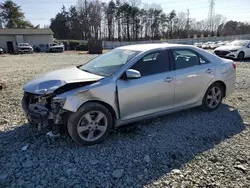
column 209, row 71
column 168, row 79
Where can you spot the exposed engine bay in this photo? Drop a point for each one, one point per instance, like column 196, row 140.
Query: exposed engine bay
column 45, row 110
column 40, row 110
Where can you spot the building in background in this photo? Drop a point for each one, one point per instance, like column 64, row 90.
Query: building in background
column 9, row 38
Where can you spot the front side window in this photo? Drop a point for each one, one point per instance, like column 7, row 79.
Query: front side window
column 110, row 62
column 185, row 58
column 153, row 63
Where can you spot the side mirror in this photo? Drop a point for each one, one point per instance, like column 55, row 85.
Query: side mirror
column 133, row 74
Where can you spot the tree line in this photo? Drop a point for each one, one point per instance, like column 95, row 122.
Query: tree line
column 116, row 21
column 124, row 21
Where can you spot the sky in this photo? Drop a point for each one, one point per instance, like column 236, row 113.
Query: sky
column 41, row 11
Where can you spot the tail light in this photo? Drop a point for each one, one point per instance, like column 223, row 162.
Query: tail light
column 234, row 65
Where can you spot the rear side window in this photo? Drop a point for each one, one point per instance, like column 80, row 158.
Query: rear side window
column 153, row 63
column 203, row 60
column 185, row 58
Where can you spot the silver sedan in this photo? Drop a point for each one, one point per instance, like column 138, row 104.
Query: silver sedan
column 125, row 85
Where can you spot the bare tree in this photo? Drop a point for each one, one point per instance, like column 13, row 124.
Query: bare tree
column 124, row 20
column 218, row 19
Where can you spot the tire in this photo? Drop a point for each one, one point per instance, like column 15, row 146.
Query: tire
column 83, row 126
column 241, row 56
column 210, row 96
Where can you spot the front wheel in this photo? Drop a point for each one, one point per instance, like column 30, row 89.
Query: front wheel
column 241, row 56
column 91, row 124
column 213, row 97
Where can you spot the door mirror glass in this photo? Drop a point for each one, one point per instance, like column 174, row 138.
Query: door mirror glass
column 133, row 74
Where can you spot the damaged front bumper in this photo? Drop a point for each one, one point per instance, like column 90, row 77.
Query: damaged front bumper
column 43, row 111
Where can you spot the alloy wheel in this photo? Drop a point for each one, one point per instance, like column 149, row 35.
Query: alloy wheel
column 214, row 97
column 92, row 125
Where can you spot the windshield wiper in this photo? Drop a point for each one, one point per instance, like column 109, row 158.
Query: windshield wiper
column 89, row 71
column 85, row 70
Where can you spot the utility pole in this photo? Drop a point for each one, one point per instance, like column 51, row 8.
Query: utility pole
column 188, row 21
column 211, row 14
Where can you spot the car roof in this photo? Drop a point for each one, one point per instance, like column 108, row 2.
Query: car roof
column 242, row 40
column 147, row 47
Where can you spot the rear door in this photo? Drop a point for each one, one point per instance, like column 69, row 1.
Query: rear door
column 153, row 92
column 193, row 74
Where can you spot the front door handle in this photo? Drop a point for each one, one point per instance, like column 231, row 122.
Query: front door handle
column 168, row 79
column 209, row 71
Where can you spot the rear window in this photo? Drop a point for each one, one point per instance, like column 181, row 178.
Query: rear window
column 185, row 58
column 24, row 44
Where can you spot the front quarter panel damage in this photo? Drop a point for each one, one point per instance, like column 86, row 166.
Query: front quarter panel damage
column 103, row 92
column 53, row 109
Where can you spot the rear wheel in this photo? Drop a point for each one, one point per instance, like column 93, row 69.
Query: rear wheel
column 213, row 97
column 91, row 124
column 241, row 56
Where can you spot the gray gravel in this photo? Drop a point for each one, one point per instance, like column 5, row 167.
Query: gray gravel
column 186, row 149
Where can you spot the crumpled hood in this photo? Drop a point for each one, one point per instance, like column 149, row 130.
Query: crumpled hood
column 227, row 48
column 49, row 82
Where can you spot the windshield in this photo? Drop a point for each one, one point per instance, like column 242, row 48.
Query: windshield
column 238, row 43
column 24, row 44
column 110, row 62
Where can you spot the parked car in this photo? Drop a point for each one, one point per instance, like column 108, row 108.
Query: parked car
column 221, row 43
column 1, row 50
column 124, row 85
column 238, row 49
column 55, row 47
column 24, row 48
column 213, row 45
column 198, row 44
column 206, row 45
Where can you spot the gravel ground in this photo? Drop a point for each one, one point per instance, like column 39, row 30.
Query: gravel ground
column 186, row 149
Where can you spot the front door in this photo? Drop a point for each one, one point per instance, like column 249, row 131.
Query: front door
column 247, row 51
column 193, row 74
column 153, row 92
column 10, row 48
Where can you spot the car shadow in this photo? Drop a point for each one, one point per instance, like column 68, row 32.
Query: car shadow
column 246, row 60
column 142, row 152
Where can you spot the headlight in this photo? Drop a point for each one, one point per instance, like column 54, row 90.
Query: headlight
column 59, row 101
column 233, row 50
